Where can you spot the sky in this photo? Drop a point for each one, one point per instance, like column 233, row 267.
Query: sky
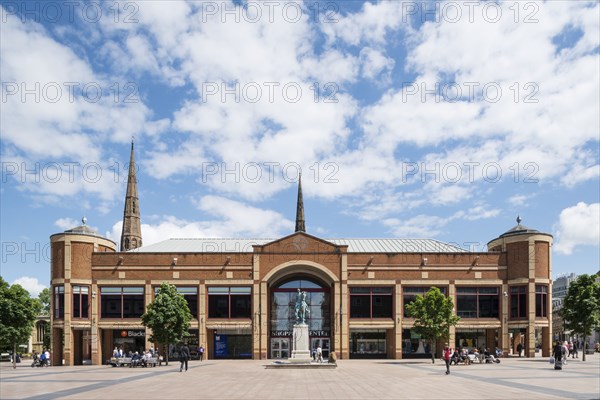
column 441, row 120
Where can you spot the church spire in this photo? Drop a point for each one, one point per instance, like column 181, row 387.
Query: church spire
column 300, row 208
column 131, row 235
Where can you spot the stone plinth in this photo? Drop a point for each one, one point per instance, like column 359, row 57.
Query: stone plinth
column 301, row 348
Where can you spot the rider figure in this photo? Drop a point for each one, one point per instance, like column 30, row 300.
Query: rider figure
column 301, row 307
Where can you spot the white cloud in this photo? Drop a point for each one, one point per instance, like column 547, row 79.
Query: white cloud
column 420, row 226
column 577, row 226
column 69, row 117
column 371, row 24
column 580, row 173
column 374, row 63
column 32, row 285
column 230, row 219
column 551, row 120
column 66, row 223
column 519, row 200
column 430, row 226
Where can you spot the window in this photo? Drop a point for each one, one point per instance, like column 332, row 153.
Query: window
column 190, row 294
column 477, row 302
column 229, row 302
column 541, row 301
column 121, row 302
column 80, row 301
column 367, row 302
column 411, row 293
column 59, row 302
column 518, row 302
column 282, row 307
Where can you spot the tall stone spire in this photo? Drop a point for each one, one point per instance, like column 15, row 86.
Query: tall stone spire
column 300, row 208
column 131, row 235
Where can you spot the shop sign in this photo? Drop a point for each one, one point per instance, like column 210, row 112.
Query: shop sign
column 283, row 333
column 131, row 333
column 319, row 333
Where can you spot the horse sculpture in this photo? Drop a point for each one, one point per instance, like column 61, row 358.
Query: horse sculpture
column 302, row 310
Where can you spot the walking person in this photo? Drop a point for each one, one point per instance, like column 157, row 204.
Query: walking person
column 201, row 352
column 565, row 352
column 447, row 357
column 557, row 353
column 519, row 349
column 575, row 351
column 184, row 356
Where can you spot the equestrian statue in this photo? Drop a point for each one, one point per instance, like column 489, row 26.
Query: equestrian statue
column 302, row 311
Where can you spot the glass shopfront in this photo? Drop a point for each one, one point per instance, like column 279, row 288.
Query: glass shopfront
column 283, row 316
column 233, row 344
column 470, row 338
column 414, row 346
column 369, row 343
column 130, row 340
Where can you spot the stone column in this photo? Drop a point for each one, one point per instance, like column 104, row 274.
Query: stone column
column 398, row 314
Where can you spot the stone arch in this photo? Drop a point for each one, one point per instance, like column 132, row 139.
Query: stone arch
column 309, row 268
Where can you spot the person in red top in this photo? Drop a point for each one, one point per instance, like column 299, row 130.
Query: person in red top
column 447, row 357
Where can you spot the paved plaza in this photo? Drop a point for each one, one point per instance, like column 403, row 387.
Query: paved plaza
column 514, row 378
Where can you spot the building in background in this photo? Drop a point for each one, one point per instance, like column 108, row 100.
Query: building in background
column 241, row 292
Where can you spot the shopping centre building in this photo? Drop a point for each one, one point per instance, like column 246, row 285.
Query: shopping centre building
column 241, row 292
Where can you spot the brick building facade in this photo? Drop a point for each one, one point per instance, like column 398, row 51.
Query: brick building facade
column 241, row 292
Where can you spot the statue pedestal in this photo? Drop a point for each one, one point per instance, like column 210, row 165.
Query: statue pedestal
column 301, row 348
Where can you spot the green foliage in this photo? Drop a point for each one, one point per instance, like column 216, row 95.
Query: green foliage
column 434, row 315
column 44, row 297
column 168, row 316
column 18, row 313
column 581, row 306
column 47, row 340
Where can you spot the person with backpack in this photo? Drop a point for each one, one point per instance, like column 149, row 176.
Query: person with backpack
column 557, row 353
column 43, row 358
column 184, row 356
column 447, row 358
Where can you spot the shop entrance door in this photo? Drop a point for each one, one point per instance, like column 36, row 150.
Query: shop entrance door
column 280, row 348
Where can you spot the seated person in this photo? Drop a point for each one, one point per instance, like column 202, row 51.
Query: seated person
column 135, row 360
column 489, row 356
column 464, row 356
column 455, row 357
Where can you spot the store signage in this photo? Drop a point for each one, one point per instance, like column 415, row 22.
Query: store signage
column 286, row 333
column 131, row 333
column 221, row 346
column 281, row 333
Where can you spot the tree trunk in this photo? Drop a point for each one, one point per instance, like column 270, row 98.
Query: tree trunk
column 14, row 357
column 584, row 343
column 433, row 348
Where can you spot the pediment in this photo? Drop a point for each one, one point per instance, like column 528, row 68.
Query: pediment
column 300, row 242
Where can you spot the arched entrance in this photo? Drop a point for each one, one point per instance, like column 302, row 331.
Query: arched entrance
column 282, row 300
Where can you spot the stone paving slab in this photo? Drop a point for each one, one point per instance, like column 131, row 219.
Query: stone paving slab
column 513, row 378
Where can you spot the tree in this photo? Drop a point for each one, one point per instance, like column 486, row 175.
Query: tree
column 18, row 313
column 44, row 297
column 168, row 316
column 434, row 315
column 581, row 307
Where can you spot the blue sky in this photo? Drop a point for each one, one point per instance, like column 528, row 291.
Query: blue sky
column 437, row 120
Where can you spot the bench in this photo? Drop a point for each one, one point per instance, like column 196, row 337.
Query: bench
column 123, row 361
column 153, row 361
